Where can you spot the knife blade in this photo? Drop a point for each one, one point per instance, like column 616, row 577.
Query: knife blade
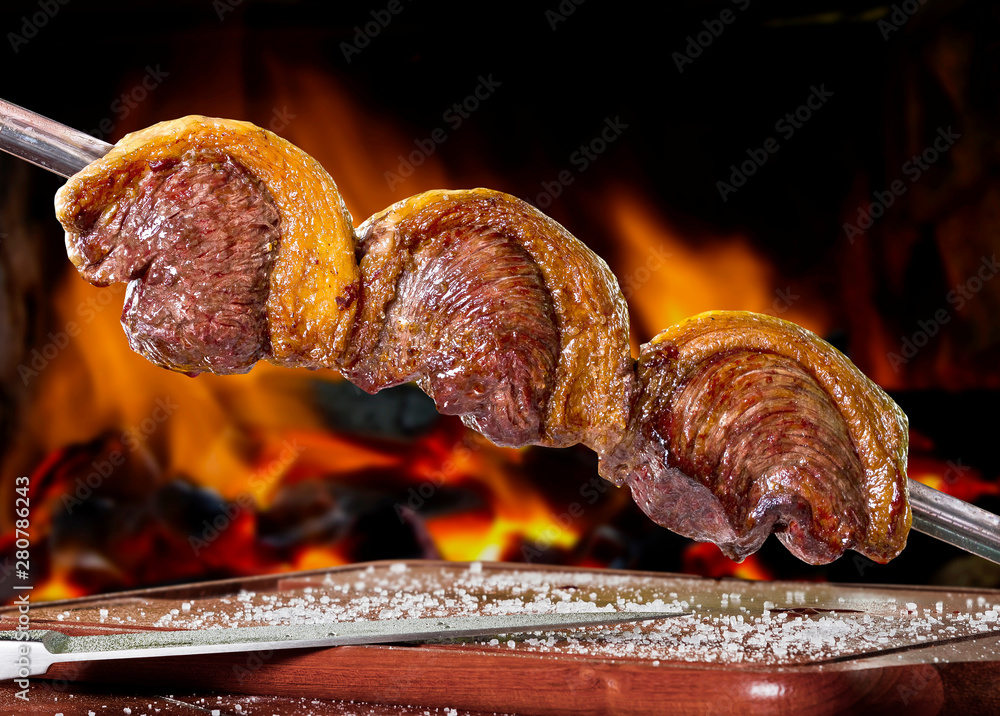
column 33, row 654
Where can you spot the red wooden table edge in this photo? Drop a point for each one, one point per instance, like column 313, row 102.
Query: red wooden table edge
column 446, row 677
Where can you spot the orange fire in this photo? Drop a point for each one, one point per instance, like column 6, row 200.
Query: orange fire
column 667, row 276
column 707, row 559
column 950, row 476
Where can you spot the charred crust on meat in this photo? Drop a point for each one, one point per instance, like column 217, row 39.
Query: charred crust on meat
column 350, row 295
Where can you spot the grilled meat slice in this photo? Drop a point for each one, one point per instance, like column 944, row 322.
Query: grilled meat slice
column 236, row 245
column 499, row 313
column 747, row 424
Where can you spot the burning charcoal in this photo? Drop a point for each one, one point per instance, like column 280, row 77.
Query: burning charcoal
column 426, row 548
column 607, row 546
column 402, row 412
column 309, row 512
column 383, row 533
column 188, row 508
column 370, row 522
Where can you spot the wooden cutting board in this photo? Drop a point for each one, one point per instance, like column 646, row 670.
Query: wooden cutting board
column 745, row 647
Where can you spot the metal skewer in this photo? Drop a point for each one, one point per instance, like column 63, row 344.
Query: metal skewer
column 955, row 521
column 47, row 143
column 66, row 151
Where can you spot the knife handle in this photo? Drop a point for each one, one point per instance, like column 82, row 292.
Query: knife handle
column 23, row 659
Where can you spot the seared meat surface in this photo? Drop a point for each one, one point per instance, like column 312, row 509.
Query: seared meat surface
column 196, row 242
column 499, row 313
column 746, row 425
column 472, row 322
